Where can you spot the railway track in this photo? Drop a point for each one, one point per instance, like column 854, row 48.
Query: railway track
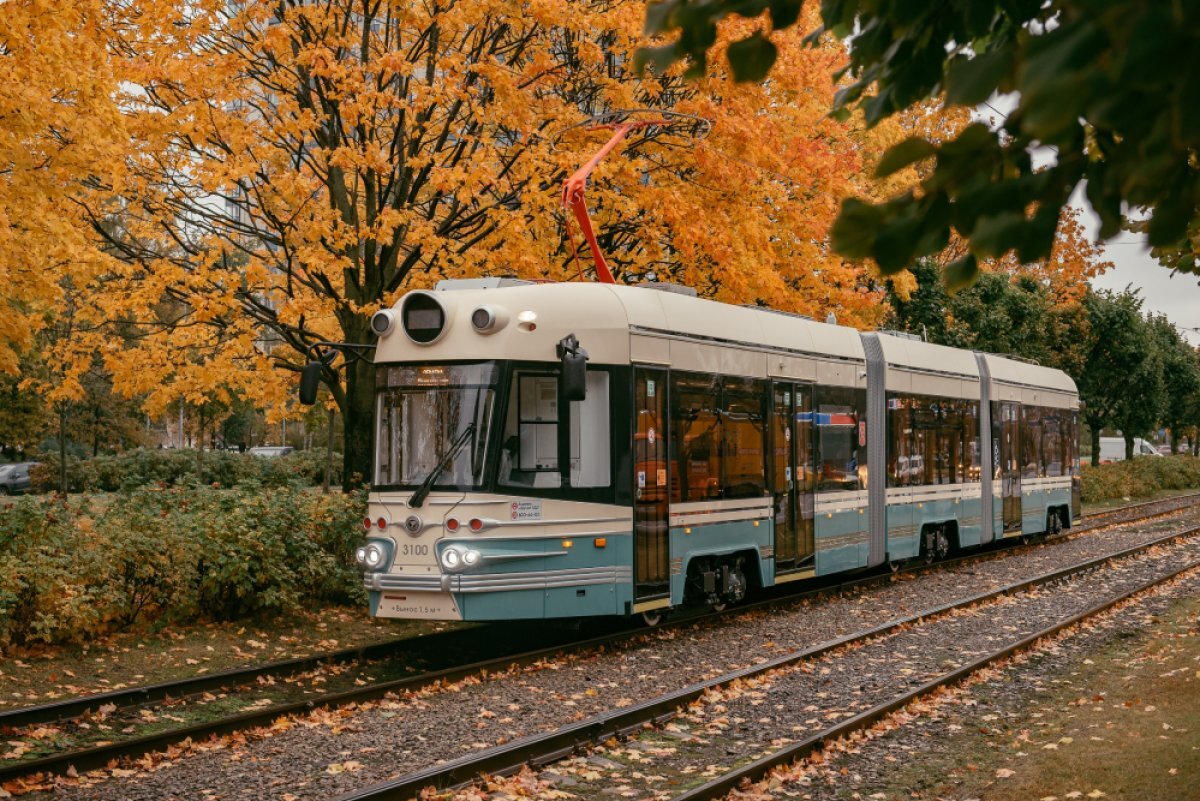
column 546, row 749
column 101, row 755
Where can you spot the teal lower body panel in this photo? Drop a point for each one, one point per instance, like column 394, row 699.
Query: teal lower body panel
column 842, row 541
column 551, row 577
column 903, row 540
column 752, row 537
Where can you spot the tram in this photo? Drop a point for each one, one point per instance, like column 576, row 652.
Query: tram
column 564, row 450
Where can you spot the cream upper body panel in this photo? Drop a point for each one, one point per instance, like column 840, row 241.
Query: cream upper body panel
column 923, row 368
column 1030, row 384
column 552, row 311
column 619, row 324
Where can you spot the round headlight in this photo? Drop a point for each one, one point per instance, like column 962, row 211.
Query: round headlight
column 374, row 555
column 489, row 319
column 360, row 556
column 382, row 322
column 471, row 558
column 450, row 558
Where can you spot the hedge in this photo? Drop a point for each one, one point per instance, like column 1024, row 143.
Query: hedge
column 1140, row 478
column 142, row 466
column 73, row 570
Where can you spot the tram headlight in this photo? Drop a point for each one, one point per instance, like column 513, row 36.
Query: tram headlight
column 455, row 558
column 489, row 319
column 373, row 555
column 360, row 555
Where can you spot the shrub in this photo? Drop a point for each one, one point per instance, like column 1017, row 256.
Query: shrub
column 1139, row 478
column 143, row 466
column 172, row 553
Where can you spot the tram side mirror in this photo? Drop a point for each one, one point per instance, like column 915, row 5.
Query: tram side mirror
column 310, row 382
column 572, row 382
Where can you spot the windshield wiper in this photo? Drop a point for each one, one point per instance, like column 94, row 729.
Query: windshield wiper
column 419, row 496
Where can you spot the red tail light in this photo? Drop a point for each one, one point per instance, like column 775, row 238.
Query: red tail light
column 367, row 523
column 452, row 525
column 382, row 523
column 476, row 524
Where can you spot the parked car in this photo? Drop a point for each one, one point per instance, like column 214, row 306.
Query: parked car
column 271, row 451
column 1112, row 449
column 14, row 478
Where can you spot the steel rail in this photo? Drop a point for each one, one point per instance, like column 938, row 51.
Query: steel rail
column 757, row 770
column 99, row 756
column 542, row 749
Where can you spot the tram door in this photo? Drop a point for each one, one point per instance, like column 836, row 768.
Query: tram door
column 651, row 542
column 791, row 428
column 1010, row 465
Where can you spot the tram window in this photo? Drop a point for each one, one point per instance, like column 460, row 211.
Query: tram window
column 900, row 454
column 590, row 453
column 1031, row 441
column 1052, row 464
column 971, row 442
column 695, row 442
column 529, row 447
column 743, row 438
column 837, row 438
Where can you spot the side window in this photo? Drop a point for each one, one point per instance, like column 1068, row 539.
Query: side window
column 529, row 447
column 529, row 455
column 1031, row 441
column 695, row 442
column 743, row 438
column 1052, row 432
column 590, row 452
column 899, row 423
column 837, row 439
column 971, row 441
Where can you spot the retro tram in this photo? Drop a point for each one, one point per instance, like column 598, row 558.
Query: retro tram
column 569, row 450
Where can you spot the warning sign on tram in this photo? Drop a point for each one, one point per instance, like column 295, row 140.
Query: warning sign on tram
column 526, row 510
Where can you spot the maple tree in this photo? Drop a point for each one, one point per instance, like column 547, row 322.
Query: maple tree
column 58, row 126
column 292, row 167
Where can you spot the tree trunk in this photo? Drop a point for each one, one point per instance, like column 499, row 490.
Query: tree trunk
column 62, row 447
column 1128, row 447
column 328, row 452
column 1174, row 442
column 1095, row 446
column 358, row 423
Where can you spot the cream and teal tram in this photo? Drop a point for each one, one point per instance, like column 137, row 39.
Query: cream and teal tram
column 569, row 450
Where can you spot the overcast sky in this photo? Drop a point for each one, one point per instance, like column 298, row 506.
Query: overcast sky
column 1177, row 296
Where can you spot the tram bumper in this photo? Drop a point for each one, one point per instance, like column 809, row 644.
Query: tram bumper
column 578, row 592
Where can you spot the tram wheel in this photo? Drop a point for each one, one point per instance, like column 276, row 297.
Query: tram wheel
column 936, row 545
column 652, row 618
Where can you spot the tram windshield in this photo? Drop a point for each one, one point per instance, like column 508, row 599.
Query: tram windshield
column 422, row 411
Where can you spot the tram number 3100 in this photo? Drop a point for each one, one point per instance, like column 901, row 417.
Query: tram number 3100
column 409, row 549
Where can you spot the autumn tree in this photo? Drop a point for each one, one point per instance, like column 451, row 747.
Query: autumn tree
column 295, row 166
column 59, row 125
column 1108, row 86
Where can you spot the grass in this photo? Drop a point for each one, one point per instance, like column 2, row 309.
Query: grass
column 41, row 675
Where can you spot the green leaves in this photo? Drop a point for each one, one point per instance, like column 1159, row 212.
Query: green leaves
column 751, row 58
column 971, row 81
column 899, row 156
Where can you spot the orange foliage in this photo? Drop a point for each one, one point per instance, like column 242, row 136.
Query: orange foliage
column 58, row 126
column 290, row 172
